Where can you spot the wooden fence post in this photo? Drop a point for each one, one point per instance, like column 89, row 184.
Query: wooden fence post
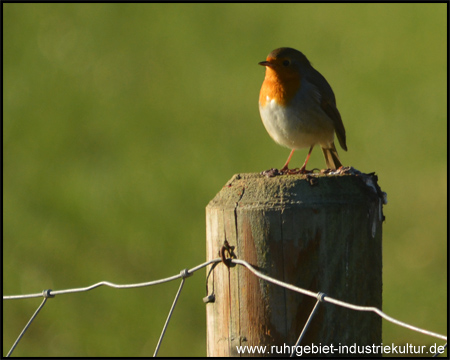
column 321, row 233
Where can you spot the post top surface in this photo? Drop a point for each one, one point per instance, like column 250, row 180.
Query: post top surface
column 340, row 187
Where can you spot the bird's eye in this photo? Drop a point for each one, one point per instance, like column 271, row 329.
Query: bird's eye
column 286, row 62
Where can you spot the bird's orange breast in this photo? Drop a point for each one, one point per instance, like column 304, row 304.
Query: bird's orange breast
column 279, row 88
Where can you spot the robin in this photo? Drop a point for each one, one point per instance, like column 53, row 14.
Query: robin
column 298, row 107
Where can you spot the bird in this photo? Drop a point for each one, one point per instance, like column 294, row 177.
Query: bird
column 298, row 108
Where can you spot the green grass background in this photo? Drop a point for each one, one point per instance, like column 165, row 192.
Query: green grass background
column 122, row 121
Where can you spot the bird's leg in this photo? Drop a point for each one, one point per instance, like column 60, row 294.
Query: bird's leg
column 303, row 168
column 285, row 167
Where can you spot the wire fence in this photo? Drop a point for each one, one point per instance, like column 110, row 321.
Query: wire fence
column 321, row 297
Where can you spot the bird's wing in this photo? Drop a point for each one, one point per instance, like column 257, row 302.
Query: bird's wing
column 332, row 111
column 327, row 102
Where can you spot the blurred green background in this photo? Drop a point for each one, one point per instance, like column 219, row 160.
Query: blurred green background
column 122, row 121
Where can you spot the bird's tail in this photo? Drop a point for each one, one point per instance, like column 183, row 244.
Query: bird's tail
column 331, row 157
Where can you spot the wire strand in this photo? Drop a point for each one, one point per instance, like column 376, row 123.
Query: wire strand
column 313, row 312
column 110, row 284
column 168, row 318
column 186, row 273
column 26, row 327
column 337, row 302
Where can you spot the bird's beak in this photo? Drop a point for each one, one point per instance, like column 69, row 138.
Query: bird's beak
column 265, row 63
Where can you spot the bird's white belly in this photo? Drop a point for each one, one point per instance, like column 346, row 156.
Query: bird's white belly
column 299, row 127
